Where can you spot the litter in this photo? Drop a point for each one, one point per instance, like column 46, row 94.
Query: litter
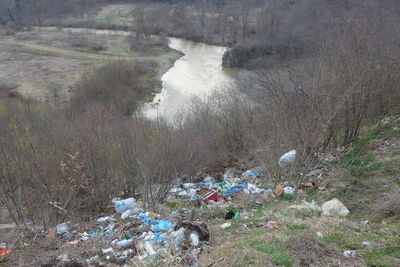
column 272, row 224
column 188, row 185
column 230, row 215
column 163, row 225
column 178, row 236
column 124, row 204
column 230, row 173
column 4, row 253
column 278, row 191
column 350, row 254
column 50, row 237
column 124, row 243
column 288, row 190
column 62, row 229
column 368, row 245
column 232, row 191
column 107, row 250
column 225, row 225
column 105, row 219
column 250, row 173
column 194, row 238
column 287, row 158
column 209, row 180
column 208, row 195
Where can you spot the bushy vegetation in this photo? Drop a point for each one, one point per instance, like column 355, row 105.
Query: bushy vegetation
column 119, row 85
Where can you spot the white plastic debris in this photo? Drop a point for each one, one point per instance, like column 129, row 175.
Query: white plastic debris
column 149, row 248
column 367, row 244
column 178, row 236
column 188, row 185
column 334, row 207
column 124, row 243
column 63, row 257
column 129, row 213
column 124, row 204
column 209, row 180
column 225, row 225
column 287, row 158
column 350, row 254
column 194, row 238
column 288, row 190
column 175, row 190
column 62, row 229
column 107, row 250
column 105, row 219
column 230, row 173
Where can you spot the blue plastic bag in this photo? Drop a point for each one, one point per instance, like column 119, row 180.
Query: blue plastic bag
column 162, row 225
column 232, row 191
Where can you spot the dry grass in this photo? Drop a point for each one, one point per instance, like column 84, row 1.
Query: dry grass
column 311, row 251
column 388, row 208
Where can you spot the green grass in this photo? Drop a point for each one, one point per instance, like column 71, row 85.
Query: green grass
column 296, row 228
column 278, row 254
column 387, row 244
column 396, row 153
column 312, row 194
column 289, row 197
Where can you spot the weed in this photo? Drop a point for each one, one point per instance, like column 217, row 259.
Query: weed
column 289, row 197
column 295, row 228
column 278, row 254
column 311, row 195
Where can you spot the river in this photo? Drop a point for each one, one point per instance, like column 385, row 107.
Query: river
column 193, row 77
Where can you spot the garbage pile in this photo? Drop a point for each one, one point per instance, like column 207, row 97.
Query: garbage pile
column 133, row 236
column 211, row 192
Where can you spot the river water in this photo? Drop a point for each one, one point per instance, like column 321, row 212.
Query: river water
column 193, row 77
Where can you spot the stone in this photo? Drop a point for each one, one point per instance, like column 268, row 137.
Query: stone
column 334, row 208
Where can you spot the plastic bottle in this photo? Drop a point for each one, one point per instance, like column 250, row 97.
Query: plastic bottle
column 179, row 235
column 149, row 248
column 194, row 238
column 124, row 243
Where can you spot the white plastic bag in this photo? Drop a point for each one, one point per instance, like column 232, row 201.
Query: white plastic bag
column 287, row 158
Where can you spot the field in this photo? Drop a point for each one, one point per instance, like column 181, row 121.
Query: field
column 46, row 62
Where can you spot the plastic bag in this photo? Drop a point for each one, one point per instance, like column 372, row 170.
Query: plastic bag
column 162, row 225
column 287, row 159
column 124, row 204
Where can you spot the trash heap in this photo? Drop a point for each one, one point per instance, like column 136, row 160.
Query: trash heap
column 210, row 192
column 133, row 236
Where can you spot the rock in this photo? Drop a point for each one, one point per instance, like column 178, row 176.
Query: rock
column 334, row 207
